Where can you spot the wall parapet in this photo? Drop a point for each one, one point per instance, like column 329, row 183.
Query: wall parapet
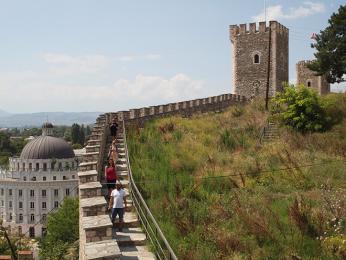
column 183, row 108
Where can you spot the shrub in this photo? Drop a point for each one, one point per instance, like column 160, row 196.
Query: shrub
column 238, row 111
column 227, row 140
column 301, row 108
column 77, row 146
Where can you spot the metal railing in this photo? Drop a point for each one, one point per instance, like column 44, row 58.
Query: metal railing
column 152, row 230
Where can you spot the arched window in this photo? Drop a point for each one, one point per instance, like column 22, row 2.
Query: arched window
column 256, row 59
column 309, row 83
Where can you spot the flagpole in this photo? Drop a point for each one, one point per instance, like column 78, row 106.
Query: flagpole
column 265, row 11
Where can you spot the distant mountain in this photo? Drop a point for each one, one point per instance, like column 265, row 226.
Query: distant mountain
column 37, row 119
column 3, row 113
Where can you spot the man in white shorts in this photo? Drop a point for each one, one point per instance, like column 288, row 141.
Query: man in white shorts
column 116, row 203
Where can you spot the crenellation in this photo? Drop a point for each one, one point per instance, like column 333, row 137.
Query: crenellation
column 242, row 28
column 252, row 27
column 262, row 27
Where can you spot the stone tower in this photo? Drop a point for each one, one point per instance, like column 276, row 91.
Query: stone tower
column 308, row 78
column 251, row 55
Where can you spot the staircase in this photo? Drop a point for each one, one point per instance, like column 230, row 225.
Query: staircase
column 99, row 239
column 132, row 240
column 270, row 133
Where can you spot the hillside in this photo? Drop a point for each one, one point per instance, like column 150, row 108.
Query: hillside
column 220, row 194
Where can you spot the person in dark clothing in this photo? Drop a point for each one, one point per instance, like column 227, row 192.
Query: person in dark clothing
column 114, row 128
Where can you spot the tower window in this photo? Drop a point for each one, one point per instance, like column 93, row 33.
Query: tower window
column 256, row 59
column 309, row 83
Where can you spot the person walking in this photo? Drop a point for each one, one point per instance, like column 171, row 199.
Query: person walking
column 118, row 204
column 114, row 128
column 110, row 175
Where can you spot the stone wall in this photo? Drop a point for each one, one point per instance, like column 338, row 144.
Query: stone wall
column 95, row 236
column 308, row 78
column 250, row 78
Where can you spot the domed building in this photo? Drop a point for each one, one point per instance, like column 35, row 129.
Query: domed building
column 37, row 182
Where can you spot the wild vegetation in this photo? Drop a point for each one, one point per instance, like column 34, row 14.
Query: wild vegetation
column 61, row 240
column 220, row 194
column 18, row 242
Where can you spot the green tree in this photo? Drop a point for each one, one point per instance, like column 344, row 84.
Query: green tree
column 301, row 108
column 331, row 48
column 5, row 143
column 62, row 231
column 75, row 134
column 67, row 134
column 87, row 130
column 82, row 136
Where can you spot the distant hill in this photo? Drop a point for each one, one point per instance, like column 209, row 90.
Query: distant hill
column 3, row 113
column 36, row 119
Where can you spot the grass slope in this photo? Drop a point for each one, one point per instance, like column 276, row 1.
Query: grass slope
column 218, row 194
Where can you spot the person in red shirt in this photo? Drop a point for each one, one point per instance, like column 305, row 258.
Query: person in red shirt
column 110, row 175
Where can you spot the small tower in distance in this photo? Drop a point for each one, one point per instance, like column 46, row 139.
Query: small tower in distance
column 251, row 55
column 47, row 129
column 308, row 78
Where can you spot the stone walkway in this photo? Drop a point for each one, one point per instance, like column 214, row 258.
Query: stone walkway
column 131, row 241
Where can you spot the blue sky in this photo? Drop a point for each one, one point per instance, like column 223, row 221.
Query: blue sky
column 111, row 55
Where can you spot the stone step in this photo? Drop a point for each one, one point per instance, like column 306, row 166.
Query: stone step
column 123, row 175
column 93, row 206
column 87, row 176
column 90, row 189
column 130, row 236
column 136, row 252
column 95, row 137
column 87, row 166
column 121, row 167
column 97, row 228
column 130, row 220
column 121, row 150
column 120, row 146
column 94, row 142
column 92, row 148
column 91, row 156
column 121, row 160
column 106, row 249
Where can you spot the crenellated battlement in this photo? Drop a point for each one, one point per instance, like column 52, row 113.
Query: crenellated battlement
column 241, row 29
column 304, row 62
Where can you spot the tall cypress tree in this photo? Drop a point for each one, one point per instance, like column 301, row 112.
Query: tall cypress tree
column 82, row 135
column 75, row 133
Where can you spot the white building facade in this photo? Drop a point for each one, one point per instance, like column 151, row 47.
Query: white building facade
column 37, row 182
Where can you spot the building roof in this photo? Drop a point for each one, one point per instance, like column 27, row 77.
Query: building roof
column 47, row 147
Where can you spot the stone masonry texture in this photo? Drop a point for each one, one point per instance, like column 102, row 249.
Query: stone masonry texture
column 307, row 77
column 249, row 78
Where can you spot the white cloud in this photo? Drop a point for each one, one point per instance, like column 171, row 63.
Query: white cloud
column 278, row 12
column 152, row 56
column 156, row 88
column 126, row 58
column 33, row 92
column 67, row 64
column 149, row 57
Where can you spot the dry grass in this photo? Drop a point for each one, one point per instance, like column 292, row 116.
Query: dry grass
column 271, row 205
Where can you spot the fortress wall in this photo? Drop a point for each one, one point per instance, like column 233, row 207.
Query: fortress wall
column 95, row 236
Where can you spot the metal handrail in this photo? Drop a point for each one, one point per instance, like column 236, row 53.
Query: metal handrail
column 154, row 232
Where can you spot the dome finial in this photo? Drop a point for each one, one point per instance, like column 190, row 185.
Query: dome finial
column 47, row 128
